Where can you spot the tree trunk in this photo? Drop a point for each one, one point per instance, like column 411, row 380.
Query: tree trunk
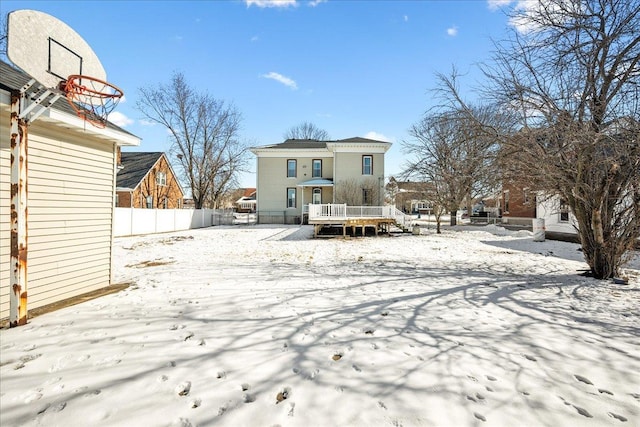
column 602, row 259
column 453, row 220
column 438, row 231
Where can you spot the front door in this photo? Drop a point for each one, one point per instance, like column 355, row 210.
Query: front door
column 316, row 198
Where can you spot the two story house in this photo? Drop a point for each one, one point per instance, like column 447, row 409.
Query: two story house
column 295, row 173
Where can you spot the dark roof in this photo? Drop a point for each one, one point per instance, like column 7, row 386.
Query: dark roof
column 314, row 143
column 135, row 167
column 300, row 143
column 12, row 79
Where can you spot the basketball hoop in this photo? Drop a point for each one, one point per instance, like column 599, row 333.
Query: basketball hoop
column 91, row 98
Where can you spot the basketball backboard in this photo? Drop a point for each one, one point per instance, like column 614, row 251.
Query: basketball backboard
column 48, row 49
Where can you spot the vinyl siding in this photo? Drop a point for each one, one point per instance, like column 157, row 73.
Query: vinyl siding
column 5, row 211
column 273, row 181
column 70, row 185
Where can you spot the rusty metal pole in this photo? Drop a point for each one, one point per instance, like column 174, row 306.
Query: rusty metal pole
column 18, row 292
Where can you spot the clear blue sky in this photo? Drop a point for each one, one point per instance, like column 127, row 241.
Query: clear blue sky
column 354, row 68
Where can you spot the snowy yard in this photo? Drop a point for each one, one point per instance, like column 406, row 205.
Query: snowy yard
column 262, row 326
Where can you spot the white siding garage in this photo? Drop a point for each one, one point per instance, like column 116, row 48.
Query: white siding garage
column 5, row 209
column 70, row 215
column 71, row 187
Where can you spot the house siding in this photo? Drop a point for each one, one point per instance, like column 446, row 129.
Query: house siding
column 5, row 212
column 70, row 191
column 272, row 176
column 518, row 206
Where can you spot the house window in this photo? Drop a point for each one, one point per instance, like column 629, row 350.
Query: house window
column 526, row 196
column 367, row 165
column 317, row 196
column 292, row 168
column 117, row 200
column 149, row 202
column 366, row 196
column 291, row 197
column 165, row 203
column 161, row 179
column 564, row 211
column 506, row 201
column 317, row 169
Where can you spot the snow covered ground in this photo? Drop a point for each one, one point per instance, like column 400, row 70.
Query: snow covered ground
column 263, row 326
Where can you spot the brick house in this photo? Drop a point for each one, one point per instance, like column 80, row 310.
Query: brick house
column 147, row 180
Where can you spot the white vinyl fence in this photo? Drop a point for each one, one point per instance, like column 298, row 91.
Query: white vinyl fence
column 132, row 221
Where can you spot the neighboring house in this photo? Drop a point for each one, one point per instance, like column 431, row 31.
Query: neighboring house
column 556, row 214
column 517, row 204
column 70, row 195
column 146, row 180
column 295, row 173
column 411, row 197
column 246, row 203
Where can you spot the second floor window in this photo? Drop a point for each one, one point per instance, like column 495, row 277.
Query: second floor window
column 367, row 165
column 317, row 169
column 161, row 179
column 291, row 168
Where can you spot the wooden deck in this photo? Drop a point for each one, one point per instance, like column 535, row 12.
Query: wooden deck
column 380, row 218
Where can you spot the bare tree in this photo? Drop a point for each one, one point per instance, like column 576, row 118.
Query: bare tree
column 307, row 130
column 571, row 71
column 3, row 36
column 355, row 192
column 205, row 136
column 455, row 155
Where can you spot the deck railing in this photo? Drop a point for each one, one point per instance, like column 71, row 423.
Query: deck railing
column 342, row 211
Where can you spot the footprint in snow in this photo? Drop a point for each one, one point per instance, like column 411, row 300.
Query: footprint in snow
column 617, row 417
column 183, row 388
column 283, row 395
column 583, row 379
column 479, row 416
column 582, row 411
column 32, row 397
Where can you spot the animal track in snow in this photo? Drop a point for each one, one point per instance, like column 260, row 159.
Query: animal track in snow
column 183, row 388
column 282, row 395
